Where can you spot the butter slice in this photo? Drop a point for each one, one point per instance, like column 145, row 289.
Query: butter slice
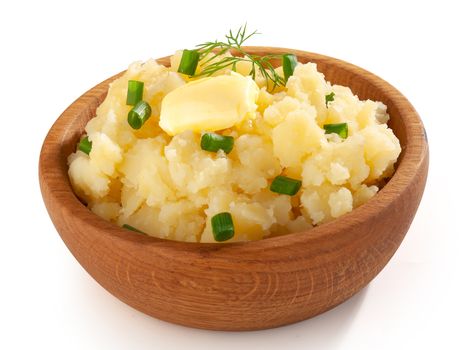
column 209, row 104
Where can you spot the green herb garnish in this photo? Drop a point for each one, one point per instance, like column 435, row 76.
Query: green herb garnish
column 134, row 92
column 329, row 98
column 85, row 145
column 214, row 142
column 285, row 185
column 341, row 129
column 132, row 228
column 189, row 62
column 289, row 62
column 138, row 115
column 223, row 227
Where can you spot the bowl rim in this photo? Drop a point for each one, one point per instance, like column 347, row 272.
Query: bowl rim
column 414, row 153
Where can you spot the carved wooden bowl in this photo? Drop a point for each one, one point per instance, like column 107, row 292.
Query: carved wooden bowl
column 242, row 286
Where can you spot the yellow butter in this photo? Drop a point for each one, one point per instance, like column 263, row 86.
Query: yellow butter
column 209, row 104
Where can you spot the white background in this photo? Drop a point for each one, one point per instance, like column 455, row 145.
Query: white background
column 52, row 52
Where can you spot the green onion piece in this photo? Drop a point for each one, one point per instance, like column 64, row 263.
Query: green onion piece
column 341, row 129
column 289, row 62
column 223, row 227
column 131, row 228
column 85, row 145
column 214, row 142
column 285, row 185
column 134, row 92
column 329, row 98
column 139, row 114
column 189, row 62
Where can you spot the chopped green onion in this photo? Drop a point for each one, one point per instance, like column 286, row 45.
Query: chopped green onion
column 189, row 62
column 341, row 129
column 85, row 145
column 329, row 98
column 139, row 114
column 214, row 142
column 223, row 227
column 131, row 228
column 134, row 92
column 289, row 62
column 285, row 185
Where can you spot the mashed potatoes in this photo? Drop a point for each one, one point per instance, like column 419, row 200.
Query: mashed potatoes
column 165, row 185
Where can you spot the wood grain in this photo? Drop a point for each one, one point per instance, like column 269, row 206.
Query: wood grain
column 242, row 286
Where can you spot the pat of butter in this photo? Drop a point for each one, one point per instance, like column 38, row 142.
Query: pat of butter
column 209, row 104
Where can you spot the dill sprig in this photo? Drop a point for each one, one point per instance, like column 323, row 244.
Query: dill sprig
column 234, row 43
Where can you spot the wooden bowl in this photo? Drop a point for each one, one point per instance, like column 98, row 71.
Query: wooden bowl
column 242, row 286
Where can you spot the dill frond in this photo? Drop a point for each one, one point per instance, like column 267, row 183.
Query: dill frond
column 234, row 43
